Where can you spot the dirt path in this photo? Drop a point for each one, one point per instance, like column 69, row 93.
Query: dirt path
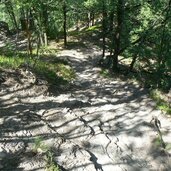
column 99, row 125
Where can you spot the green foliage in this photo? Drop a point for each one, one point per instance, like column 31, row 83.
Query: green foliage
column 144, row 31
column 147, row 16
column 93, row 28
column 86, row 32
column 51, row 165
column 105, row 73
column 11, row 62
column 66, row 71
column 40, row 147
column 90, row 4
column 157, row 142
column 168, row 146
column 55, row 73
column 46, row 50
column 160, row 102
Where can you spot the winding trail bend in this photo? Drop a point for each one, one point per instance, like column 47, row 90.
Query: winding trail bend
column 100, row 124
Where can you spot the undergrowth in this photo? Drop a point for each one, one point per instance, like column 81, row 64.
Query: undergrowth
column 39, row 147
column 160, row 102
column 105, row 73
column 85, row 31
column 55, row 72
column 11, row 62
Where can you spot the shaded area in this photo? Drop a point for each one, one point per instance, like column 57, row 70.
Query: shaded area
column 98, row 124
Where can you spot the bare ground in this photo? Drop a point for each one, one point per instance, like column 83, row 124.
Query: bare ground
column 99, row 124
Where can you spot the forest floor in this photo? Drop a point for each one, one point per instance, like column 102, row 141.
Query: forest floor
column 97, row 124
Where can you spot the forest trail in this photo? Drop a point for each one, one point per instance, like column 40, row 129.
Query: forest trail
column 100, row 124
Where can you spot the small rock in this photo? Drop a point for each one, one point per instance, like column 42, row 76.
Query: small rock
column 65, row 110
column 1, row 121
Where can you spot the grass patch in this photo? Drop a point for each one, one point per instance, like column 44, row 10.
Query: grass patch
column 51, row 165
column 58, row 72
column 11, row 62
column 39, row 147
column 160, row 102
column 157, row 142
column 55, row 73
column 65, row 71
column 105, row 73
column 85, row 31
column 94, row 28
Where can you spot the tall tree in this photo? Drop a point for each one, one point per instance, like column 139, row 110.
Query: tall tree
column 118, row 32
column 10, row 9
column 65, row 22
column 104, row 26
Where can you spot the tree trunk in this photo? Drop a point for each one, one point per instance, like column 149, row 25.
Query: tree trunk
column 92, row 18
column 77, row 24
column 45, row 23
column 65, row 23
column 111, row 20
column 133, row 62
column 45, row 39
column 88, row 19
column 111, row 27
column 134, row 59
column 161, row 56
column 120, row 13
column 104, row 29
column 28, row 33
column 10, row 10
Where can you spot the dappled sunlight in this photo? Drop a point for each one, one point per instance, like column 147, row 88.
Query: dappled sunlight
column 97, row 124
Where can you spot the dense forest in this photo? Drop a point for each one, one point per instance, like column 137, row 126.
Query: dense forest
column 138, row 31
column 133, row 38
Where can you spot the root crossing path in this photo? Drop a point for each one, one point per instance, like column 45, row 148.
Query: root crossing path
column 99, row 124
